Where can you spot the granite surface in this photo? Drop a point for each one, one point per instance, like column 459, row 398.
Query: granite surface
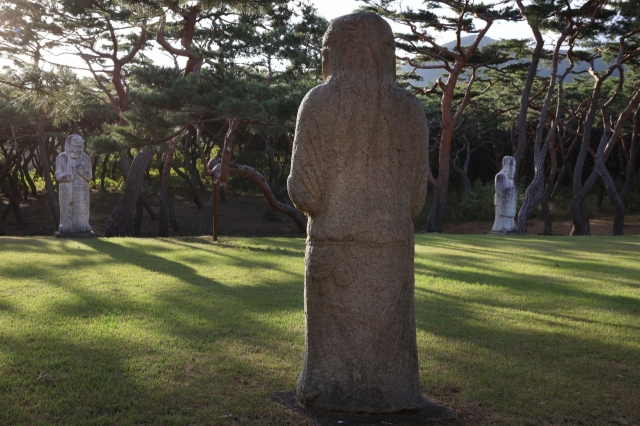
column 359, row 172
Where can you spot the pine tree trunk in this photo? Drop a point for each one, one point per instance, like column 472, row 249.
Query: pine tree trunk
column 633, row 157
column 23, row 181
column 580, row 217
column 603, row 190
column 145, row 201
column 137, row 217
column 3, row 217
column 27, row 176
column 191, row 169
column 192, row 186
column 436, row 214
column 172, row 217
column 120, row 223
column 531, row 200
column 14, row 204
column 15, row 199
column 163, row 213
column 546, row 196
column 548, row 220
column 610, row 186
column 103, row 175
column 206, row 226
column 46, row 170
column 299, row 219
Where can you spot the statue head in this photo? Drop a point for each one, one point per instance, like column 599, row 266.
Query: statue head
column 74, row 146
column 358, row 47
column 509, row 166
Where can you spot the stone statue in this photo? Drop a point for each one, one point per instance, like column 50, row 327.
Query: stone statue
column 506, row 197
column 359, row 172
column 73, row 173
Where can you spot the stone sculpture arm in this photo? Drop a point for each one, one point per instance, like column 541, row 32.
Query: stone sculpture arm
column 501, row 183
column 83, row 168
column 305, row 183
column 505, row 198
column 420, row 170
column 64, row 172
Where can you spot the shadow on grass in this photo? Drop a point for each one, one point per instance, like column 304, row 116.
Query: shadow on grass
column 514, row 354
column 195, row 314
column 520, row 334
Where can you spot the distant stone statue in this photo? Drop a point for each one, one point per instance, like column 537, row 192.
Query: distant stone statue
column 73, row 173
column 506, row 197
column 359, row 172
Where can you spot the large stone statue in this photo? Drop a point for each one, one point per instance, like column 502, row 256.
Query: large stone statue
column 73, row 173
column 359, row 172
column 506, row 197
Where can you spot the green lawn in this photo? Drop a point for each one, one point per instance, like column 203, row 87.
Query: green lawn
column 183, row 331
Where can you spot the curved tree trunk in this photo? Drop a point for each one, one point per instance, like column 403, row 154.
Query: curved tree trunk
column 137, row 217
column 633, row 158
column 191, row 168
column 3, row 216
column 579, row 210
column 103, row 175
column 192, row 186
column 14, row 203
column 601, row 192
column 163, row 213
column 436, row 214
column 46, row 170
column 206, row 226
column 526, row 91
column 532, row 194
column 580, row 216
column 145, row 201
column 27, row 177
column 120, row 223
column 248, row 172
column 610, row 186
column 2, row 231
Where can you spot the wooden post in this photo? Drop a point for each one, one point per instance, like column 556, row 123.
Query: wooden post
column 216, row 190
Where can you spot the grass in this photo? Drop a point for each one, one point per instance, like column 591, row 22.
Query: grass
column 184, row 332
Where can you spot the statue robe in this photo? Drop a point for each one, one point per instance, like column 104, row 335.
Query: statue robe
column 359, row 171
column 505, row 200
column 73, row 178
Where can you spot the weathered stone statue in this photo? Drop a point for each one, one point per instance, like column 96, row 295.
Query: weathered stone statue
column 506, row 197
column 359, row 172
column 73, row 173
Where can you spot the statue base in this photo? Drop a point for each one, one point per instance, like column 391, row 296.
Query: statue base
column 502, row 233
column 89, row 234
column 430, row 412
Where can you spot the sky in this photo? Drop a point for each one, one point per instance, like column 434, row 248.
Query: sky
column 333, row 8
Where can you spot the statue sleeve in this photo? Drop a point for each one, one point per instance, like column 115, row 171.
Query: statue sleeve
column 84, row 168
column 500, row 185
column 63, row 174
column 420, row 171
column 305, row 183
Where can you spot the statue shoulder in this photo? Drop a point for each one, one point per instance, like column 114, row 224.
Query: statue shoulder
column 501, row 178
column 408, row 103
column 84, row 158
column 62, row 158
column 316, row 96
column 316, row 103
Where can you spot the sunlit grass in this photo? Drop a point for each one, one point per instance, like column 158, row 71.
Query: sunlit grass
column 131, row 331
